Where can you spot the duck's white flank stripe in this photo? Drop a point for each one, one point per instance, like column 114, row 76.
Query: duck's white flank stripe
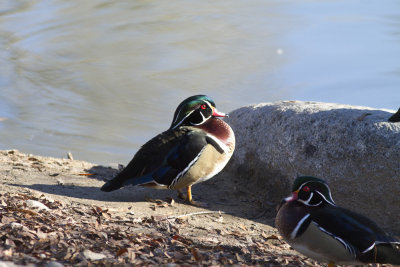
column 347, row 246
column 380, row 242
column 296, row 229
column 368, row 249
column 182, row 173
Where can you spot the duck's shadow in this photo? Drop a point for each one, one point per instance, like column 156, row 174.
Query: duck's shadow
column 219, row 193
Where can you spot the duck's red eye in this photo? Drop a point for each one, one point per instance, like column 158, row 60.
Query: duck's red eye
column 203, row 106
column 306, row 189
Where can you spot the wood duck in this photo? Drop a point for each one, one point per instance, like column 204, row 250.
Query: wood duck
column 311, row 223
column 196, row 147
column 395, row 117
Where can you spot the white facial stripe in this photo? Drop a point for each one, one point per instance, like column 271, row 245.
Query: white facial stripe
column 303, row 185
column 204, row 119
column 309, row 199
column 183, row 119
column 330, row 196
column 307, row 202
column 177, row 116
column 299, row 224
column 326, row 199
column 208, row 103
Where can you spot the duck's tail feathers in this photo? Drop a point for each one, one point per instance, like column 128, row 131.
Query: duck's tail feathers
column 111, row 186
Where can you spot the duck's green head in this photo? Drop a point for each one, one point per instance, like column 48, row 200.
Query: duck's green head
column 195, row 110
column 311, row 191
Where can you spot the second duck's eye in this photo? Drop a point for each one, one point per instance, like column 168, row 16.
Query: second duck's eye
column 203, row 106
column 306, row 189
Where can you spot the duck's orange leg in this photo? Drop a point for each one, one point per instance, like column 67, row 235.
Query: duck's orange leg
column 191, row 201
column 189, row 194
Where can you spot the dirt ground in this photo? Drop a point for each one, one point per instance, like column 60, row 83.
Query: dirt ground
column 52, row 213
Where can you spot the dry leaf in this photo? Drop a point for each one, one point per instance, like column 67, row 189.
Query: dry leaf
column 40, row 234
column 178, row 255
column 29, row 212
column 121, row 251
column 196, row 255
column 106, row 215
column 86, row 174
column 243, row 227
column 271, row 237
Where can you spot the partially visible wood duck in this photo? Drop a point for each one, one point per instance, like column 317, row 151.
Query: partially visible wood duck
column 196, row 147
column 395, row 117
column 311, row 223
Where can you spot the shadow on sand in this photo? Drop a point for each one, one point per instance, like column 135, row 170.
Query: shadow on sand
column 220, row 194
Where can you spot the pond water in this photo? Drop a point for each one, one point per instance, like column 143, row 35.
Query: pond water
column 100, row 78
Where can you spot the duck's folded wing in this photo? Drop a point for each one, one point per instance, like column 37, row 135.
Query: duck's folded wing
column 179, row 160
column 161, row 159
column 356, row 232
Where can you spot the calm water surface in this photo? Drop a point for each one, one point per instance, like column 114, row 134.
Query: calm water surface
column 99, row 78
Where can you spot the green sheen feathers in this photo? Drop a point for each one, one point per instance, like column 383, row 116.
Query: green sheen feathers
column 188, row 106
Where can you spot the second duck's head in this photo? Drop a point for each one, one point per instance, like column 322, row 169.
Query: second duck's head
column 311, row 191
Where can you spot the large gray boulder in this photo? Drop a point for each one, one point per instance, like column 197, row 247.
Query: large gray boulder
column 353, row 148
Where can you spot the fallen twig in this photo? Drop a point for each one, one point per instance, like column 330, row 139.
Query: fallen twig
column 192, row 214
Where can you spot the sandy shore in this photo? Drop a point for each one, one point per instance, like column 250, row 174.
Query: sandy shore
column 53, row 213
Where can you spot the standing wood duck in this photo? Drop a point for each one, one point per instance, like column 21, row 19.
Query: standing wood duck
column 312, row 224
column 196, row 147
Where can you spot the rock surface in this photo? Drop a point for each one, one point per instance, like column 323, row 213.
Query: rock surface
column 354, row 148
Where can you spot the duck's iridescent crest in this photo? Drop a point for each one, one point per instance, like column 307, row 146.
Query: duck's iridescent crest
column 195, row 110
